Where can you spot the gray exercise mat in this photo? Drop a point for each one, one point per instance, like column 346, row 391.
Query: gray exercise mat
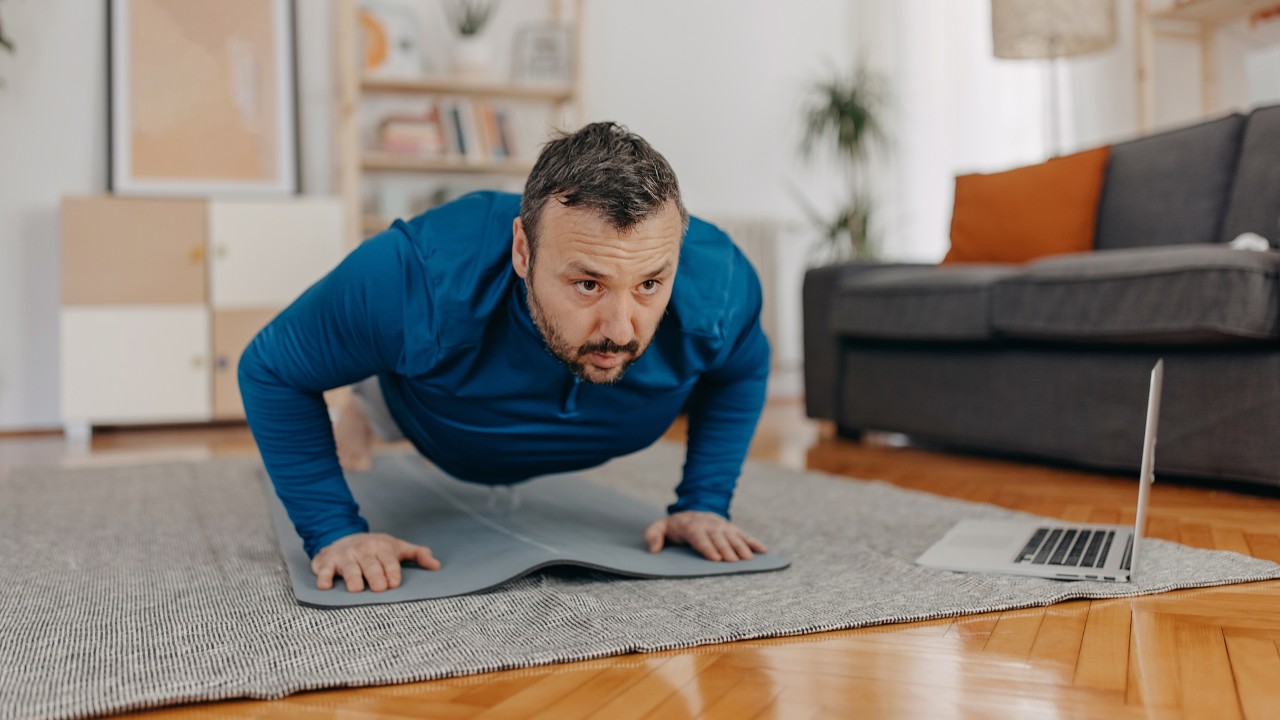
column 487, row 535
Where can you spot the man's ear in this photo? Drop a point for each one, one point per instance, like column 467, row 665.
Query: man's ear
column 519, row 249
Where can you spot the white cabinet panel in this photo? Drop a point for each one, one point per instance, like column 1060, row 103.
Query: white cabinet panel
column 264, row 253
column 130, row 364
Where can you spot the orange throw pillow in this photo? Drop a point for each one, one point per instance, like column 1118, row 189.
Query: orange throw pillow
column 1029, row 212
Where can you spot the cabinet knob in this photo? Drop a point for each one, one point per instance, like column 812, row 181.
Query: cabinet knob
column 198, row 362
column 197, row 255
column 221, row 252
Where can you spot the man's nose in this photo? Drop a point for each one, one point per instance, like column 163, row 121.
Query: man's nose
column 617, row 319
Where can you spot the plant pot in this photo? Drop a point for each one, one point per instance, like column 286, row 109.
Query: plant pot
column 473, row 57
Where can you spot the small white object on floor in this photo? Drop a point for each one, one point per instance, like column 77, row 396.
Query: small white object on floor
column 1250, row 241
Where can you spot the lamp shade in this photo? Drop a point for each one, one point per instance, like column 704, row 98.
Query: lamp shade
column 1023, row 29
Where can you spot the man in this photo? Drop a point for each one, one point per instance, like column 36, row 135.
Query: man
column 508, row 337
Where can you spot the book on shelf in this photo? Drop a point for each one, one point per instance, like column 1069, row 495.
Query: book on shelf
column 506, row 135
column 419, row 135
column 474, row 150
column 461, row 129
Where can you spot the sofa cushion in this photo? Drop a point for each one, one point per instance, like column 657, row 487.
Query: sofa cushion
column 1184, row 294
column 1170, row 188
column 1029, row 212
column 1254, row 205
column 948, row 302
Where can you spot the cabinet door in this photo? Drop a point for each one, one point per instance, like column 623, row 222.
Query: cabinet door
column 133, row 251
column 135, row 364
column 232, row 331
column 266, row 252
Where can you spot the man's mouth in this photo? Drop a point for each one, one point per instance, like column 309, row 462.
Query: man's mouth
column 607, row 361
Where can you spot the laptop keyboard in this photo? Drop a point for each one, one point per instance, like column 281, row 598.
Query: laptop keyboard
column 1068, row 547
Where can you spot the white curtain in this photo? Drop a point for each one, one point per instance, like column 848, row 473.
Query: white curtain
column 955, row 109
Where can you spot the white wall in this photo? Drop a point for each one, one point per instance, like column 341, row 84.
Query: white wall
column 53, row 142
column 716, row 86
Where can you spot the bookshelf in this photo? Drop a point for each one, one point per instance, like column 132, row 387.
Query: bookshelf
column 497, row 113
column 462, row 87
column 1194, row 20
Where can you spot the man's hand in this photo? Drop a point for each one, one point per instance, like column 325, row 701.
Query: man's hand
column 713, row 536
column 374, row 557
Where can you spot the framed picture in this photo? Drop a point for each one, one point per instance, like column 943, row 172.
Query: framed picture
column 203, row 97
column 543, row 56
column 390, row 41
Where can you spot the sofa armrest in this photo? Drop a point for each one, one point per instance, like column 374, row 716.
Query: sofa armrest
column 821, row 345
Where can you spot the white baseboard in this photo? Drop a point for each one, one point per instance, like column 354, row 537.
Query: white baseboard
column 786, row 382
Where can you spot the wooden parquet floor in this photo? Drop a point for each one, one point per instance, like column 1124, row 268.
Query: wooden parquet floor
column 1208, row 653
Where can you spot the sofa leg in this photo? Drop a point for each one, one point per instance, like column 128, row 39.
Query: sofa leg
column 848, row 433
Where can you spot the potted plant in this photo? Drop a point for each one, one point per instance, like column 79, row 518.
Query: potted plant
column 842, row 119
column 473, row 57
column 7, row 43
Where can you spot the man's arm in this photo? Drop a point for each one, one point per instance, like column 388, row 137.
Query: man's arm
column 346, row 327
column 722, row 412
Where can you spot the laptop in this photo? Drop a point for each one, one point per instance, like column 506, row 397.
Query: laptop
column 1051, row 548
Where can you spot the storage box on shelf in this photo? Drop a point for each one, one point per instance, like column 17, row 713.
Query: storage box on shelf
column 160, row 296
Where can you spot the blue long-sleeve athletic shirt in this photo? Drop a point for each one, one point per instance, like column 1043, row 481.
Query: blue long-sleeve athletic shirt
column 433, row 308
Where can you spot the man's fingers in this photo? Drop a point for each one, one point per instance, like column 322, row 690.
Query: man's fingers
column 324, row 578
column 352, row 577
column 702, row 543
column 740, row 545
column 754, row 544
column 422, row 556
column 374, row 575
column 725, row 548
column 655, row 534
column 391, row 568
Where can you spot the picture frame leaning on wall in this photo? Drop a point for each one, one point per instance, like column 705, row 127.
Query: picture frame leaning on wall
column 543, row 55
column 202, row 97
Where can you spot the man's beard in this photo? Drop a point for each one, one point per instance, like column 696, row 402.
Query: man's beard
column 575, row 358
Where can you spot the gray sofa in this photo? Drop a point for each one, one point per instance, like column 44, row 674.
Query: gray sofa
column 1051, row 359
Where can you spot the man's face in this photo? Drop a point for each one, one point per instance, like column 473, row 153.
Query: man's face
column 597, row 295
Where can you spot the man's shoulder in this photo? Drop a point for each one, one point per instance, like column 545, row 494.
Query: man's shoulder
column 465, row 228
column 463, row 251
column 715, row 283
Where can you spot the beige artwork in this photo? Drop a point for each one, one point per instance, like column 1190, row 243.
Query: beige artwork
column 203, row 92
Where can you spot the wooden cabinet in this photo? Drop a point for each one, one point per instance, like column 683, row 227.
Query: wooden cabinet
column 133, row 251
column 232, row 331
column 125, row 364
column 254, row 264
column 160, row 297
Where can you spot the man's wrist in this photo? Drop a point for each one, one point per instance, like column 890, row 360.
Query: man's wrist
column 695, row 506
column 316, row 544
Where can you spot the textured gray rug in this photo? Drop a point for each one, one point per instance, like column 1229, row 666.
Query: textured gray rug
column 137, row 587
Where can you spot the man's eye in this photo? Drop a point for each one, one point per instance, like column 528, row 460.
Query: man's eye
column 588, row 287
column 648, row 287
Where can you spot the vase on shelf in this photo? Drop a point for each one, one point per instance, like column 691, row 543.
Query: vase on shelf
column 472, row 57
column 472, row 54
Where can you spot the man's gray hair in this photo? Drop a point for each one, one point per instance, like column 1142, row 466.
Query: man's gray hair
column 605, row 168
